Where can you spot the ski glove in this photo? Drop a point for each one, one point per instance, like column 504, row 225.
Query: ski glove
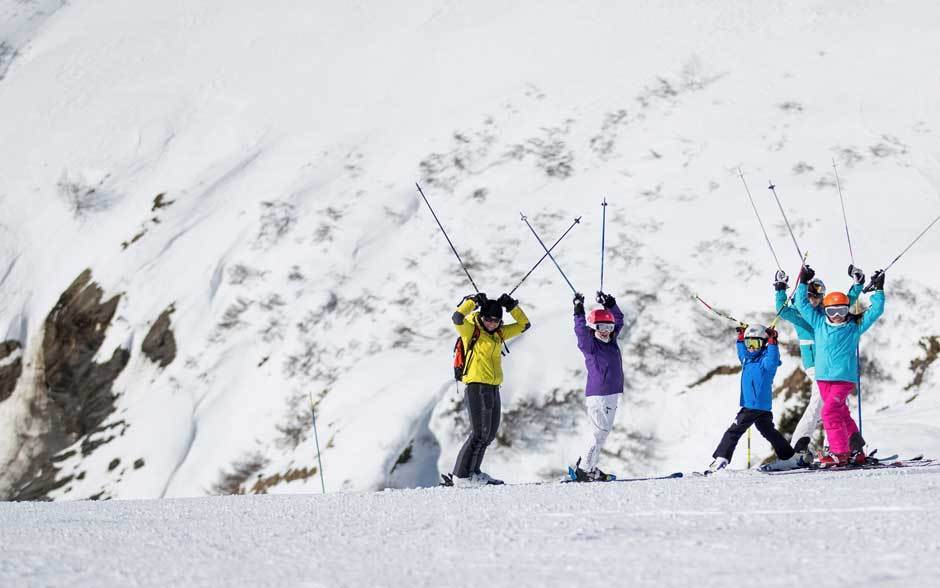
column 878, row 280
column 606, row 300
column 856, row 274
column 741, row 329
column 780, row 280
column 771, row 336
column 479, row 298
column 807, row 274
column 578, row 304
column 508, row 302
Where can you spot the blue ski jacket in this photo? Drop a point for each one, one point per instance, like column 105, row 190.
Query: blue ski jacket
column 758, row 369
column 803, row 329
column 837, row 345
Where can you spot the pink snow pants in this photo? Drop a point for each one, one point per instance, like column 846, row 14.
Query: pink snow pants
column 836, row 416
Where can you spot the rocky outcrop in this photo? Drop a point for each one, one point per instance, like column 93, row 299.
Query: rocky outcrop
column 78, row 391
column 160, row 344
column 11, row 367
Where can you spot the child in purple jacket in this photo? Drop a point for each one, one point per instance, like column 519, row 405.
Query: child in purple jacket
column 597, row 340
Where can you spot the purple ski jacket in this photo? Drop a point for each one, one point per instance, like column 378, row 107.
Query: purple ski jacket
column 603, row 360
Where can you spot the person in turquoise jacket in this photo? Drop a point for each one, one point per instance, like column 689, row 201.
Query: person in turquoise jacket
column 837, row 333
column 816, row 289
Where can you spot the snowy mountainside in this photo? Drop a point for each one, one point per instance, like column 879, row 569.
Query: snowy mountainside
column 248, row 176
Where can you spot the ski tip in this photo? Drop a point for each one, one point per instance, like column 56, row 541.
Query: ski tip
column 675, row 475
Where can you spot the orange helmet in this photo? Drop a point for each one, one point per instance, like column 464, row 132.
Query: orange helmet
column 836, row 299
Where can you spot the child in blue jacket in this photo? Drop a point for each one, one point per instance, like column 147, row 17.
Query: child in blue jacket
column 760, row 358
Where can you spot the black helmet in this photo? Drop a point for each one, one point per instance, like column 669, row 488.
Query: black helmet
column 491, row 309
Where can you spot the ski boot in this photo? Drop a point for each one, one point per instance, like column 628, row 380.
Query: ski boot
column 779, row 465
column 857, row 445
column 594, row 475
column 806, row 454
column 484, row 479
column 717, row 465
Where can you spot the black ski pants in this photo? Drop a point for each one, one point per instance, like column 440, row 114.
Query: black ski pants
column 764, row 421
column 482, row 402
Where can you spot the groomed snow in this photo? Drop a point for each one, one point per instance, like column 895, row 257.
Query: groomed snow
column 839, row 529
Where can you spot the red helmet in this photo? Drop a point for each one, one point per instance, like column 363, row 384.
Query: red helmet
column 599, row 315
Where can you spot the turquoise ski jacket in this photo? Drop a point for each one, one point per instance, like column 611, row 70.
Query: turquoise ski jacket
column 836, row 351
column 803, row 329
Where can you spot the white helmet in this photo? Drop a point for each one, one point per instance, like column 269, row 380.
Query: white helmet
column 756, row 332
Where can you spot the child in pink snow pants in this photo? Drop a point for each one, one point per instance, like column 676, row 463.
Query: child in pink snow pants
column 837, row 333
column 836, row 416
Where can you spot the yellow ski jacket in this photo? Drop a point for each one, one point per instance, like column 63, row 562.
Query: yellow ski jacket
column 485, row 361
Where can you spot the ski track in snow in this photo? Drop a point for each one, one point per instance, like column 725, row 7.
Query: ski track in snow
column 859, row 528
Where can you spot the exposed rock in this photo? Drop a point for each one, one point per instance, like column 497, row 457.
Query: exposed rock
column 919, row 365
column 78, row 390
column 160, row 344
column 799, row 387
column 722, row 370
column 11, row 367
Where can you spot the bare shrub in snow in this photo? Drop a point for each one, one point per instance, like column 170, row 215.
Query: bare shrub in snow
column 232, row 481
column 277, row 219
column 83, row 196
column 297, row 422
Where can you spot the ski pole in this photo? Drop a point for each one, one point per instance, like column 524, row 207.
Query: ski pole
column 547, row 252
column 757, row 214
column 871, row 284
column 845, row 220
column 452, row 248
column 749, row 448
column 773, row 189
column 792, row 292
column 550, row 249
column 718, row 312
column 316, row 436
column 603, row 239
column 858, row 360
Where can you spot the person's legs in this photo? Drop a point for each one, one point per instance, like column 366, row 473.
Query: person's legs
column 811, row 418
column 476, row 441
column 765, row 425
column 601, row 411
column 490, row 420
column 836, row 416
column 729, row 440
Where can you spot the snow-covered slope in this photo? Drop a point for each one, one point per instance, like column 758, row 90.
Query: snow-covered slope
column 247, row 174
column 843, row 529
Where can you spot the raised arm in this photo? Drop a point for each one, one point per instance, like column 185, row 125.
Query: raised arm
column 811, row 315
column 771, row 360
column 461, row 324
column 581, row 330
column 610, row 303
column 742, row 350
column 522, row 323
column 877, row 307
column 789, row 313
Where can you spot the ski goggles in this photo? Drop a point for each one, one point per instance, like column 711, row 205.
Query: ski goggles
column 837, row 311
column 605, row 327
column 491, row 320
column 753, row 344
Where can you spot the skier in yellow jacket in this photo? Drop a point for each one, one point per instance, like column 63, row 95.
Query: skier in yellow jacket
column 479, row 322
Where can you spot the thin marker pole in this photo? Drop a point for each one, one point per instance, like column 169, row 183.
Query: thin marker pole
column 316, row 436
